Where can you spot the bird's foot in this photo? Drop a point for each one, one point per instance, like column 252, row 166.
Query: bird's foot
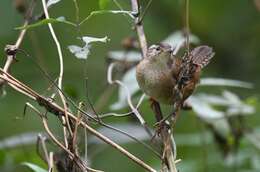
column 162, row 124
column 186, row 106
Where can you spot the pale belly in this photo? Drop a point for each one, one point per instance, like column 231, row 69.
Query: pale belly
column 156, row 83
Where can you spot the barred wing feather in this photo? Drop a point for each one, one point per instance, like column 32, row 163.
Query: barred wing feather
column 201, row 55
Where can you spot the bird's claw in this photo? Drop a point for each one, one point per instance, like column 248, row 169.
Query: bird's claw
column 160, row 125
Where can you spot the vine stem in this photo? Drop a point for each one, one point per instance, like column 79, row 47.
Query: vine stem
column 65, row 118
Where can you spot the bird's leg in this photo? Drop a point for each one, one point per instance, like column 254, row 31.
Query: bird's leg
column 164, row 132
column 178, row 104
column 161, row 122
column 157, row 109
column 186, row 106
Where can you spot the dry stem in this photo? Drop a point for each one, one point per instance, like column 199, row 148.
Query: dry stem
column 165, row 134
column 66, row 119
column 57, row 110
column 139, row 27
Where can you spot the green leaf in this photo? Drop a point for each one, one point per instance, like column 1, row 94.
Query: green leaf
column 103, row 4
column 93, row 13
column 46, row 21
column 34, row 167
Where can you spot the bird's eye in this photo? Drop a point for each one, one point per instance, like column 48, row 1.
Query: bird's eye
column 158, row 48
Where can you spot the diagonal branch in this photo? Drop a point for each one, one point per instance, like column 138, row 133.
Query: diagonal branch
column 59, row 111
column 11, row 50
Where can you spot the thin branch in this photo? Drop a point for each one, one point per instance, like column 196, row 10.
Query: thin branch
column 93, row 119
column 166, row 135
column 119, row 148
column 56, row 42
column 12, row 49
column 77, row 10
column 57, row 110
column 129, row 101
column 111, row 81
column 122, row 114
column 61, row 71
column 146, row 9
column 187, row 27
column 51, row 163
column 139, row 27
column 49, row 105
column 72, row 156
column 75, row 133
column 41, row 142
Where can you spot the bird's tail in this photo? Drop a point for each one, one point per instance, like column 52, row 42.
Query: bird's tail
column 201, row 55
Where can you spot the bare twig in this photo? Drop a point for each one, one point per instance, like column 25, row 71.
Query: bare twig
column 41, row 142
column 146, row 9
column 52, row 107
column 122, row 114
column 66, row 120
column 129, row 101
column 72, row 155
column 77, row 11
column 57, row 110
column 139, row 27
column 75, row 132
column 11, row 50
column 51, row 164
column 166, row 135
column 187, row 27
column 56, row 42
column 86, row 145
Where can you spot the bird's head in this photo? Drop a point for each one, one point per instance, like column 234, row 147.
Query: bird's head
column 159, row 52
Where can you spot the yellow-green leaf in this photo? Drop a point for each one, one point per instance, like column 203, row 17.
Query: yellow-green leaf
column 44, row 22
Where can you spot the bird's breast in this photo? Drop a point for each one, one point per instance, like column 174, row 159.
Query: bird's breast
column 156, row 81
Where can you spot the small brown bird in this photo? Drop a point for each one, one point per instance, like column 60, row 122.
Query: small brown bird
column 168, row 79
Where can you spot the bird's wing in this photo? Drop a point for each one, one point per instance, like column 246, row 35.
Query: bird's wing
column 190, row 67
column 201, row 55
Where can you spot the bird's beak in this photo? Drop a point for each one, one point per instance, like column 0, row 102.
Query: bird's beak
column 170, row 50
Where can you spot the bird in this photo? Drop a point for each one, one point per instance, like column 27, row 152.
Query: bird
column 168, row 79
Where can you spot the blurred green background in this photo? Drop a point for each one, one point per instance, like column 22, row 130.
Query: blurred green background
column 231, row 27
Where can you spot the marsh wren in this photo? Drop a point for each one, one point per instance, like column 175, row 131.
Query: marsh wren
column 166, row 78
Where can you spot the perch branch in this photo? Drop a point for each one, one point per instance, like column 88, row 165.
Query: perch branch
column 165, row 133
